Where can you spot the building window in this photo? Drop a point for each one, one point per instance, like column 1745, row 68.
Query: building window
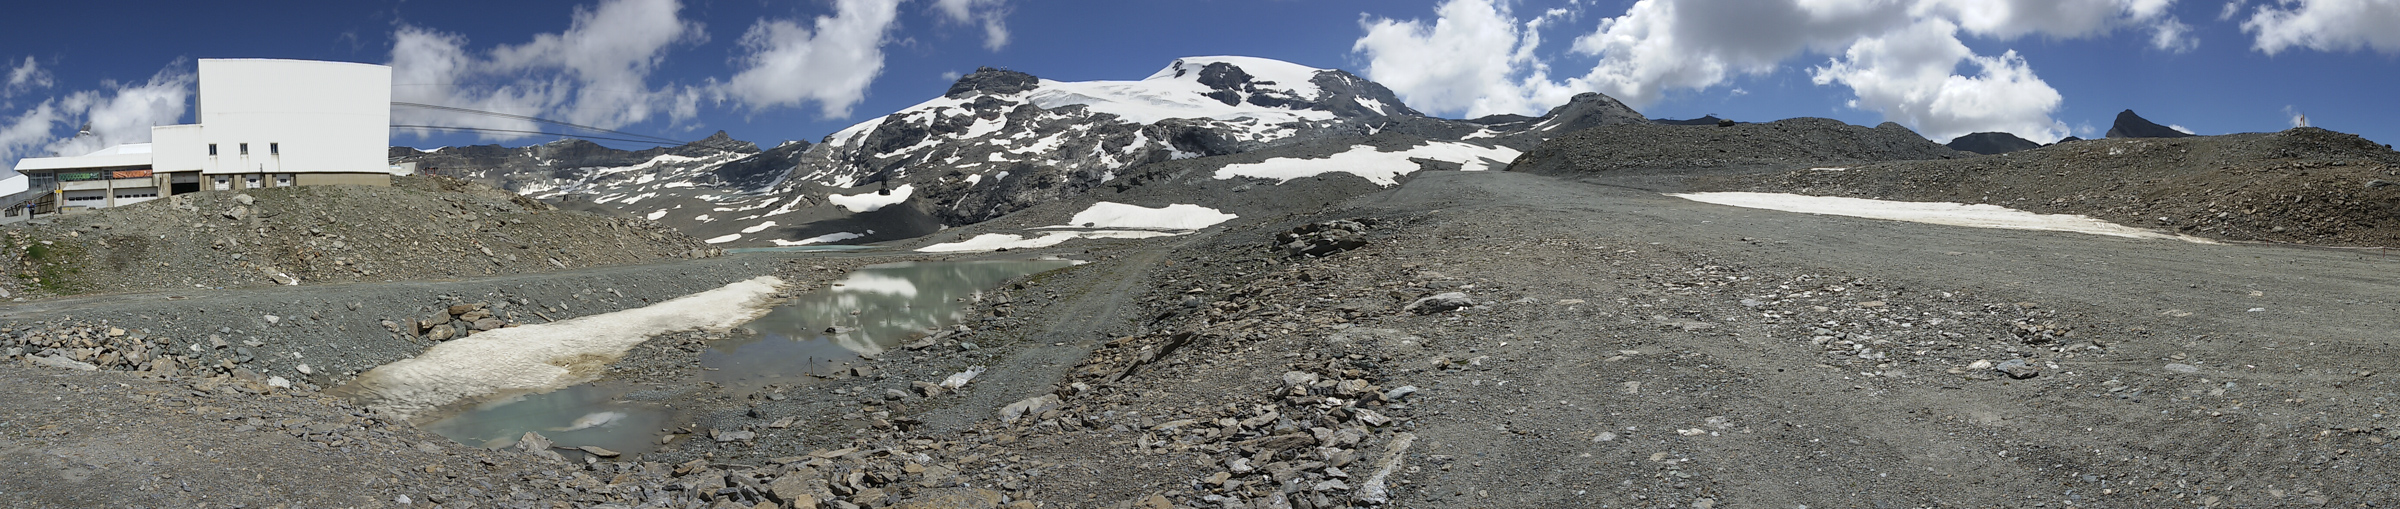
column 274, row 149
column 245, row 149
column 212, row 149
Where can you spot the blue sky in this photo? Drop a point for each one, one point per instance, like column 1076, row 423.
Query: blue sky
column 773, row 71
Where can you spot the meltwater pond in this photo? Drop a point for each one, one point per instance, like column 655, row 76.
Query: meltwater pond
column 874, row 308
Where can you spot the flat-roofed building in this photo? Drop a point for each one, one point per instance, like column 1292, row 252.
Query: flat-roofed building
column 261, row 123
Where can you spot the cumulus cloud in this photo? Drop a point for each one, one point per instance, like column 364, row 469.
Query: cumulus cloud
column 991, row 14
column 2325, row 25
column 1477, row 57
column 1906, row 75
column 118, row 113
column 1486, row 60
column 830, row 62
column 596, row 73
column 25, row 77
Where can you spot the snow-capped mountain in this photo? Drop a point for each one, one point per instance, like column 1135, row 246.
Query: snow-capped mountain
column 999, row 141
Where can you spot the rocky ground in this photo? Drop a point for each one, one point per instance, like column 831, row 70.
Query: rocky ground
column 1467, row 339
column 420, row 228
column 2300, row 186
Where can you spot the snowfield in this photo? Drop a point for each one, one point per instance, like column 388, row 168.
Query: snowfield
column 548, row 356
column 869, row 202
column 1373, row 164
column 1943, row 213
column 1138, row 222
column 1171, row 217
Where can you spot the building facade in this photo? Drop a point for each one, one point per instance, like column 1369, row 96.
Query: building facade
column 261, row 123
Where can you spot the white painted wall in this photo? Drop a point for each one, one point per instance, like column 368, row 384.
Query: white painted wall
column 295, row 115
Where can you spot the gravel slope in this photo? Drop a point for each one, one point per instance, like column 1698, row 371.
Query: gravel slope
column 420, row 228
column 2302, row 186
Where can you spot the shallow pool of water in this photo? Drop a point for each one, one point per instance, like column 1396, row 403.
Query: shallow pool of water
column 875, row 308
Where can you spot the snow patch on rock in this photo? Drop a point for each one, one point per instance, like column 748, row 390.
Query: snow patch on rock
column 1375, row 165
column 549, row 356
column 1942, row 213
column 869, row 202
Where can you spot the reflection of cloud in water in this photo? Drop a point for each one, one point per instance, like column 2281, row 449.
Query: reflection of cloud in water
column 875, row 309
column 872, row 282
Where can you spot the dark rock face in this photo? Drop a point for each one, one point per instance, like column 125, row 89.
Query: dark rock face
column 1705, row 120
column 2130, row 125
column 992, row 81
column 762, row 170
column 1991, row 143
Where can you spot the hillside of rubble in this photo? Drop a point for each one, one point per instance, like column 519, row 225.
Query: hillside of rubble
column 2301, row 186
column 419, row 228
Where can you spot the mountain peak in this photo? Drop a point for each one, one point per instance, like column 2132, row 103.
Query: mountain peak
column 2130, row 125
column 992, row 81
column 1990, row 143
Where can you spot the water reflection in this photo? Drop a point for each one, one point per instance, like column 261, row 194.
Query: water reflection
column 580, row 415
column 874, row 309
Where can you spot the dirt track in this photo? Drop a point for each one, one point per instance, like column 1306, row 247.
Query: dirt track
column 1634, row 349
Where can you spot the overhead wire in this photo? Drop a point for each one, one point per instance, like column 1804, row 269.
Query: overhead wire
column 643, row 138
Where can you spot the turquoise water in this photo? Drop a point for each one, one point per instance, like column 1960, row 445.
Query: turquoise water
column 875, row 308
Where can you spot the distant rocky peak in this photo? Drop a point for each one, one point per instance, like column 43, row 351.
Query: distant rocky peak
column 2130, row 125
column 992, row 81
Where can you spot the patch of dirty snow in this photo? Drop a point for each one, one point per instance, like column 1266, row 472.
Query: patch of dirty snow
column 759, row 227
column 549, row 356
column 996, row 241
column 820, row 239
column 1375, row 165
column 870, row 201
column 730, row 237
column 1943, row 213
column 1172, row 217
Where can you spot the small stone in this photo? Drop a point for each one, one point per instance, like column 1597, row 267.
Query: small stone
column 278, row 382
column 722, row 436
column 305, row 370
column 1298, row 378
column 2182, row 368
column 598, row 451
column 1029, row 406
column 1441, row 302
column 2018, row 369
column 1980, row 365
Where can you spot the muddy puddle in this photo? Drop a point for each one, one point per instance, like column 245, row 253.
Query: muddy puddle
column 875, row 308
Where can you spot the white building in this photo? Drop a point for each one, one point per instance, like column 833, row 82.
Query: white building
column 262, row 123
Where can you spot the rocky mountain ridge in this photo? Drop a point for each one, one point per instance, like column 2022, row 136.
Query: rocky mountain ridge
column 997, row 141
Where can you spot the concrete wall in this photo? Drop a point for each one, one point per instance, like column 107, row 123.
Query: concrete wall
column 356, row 179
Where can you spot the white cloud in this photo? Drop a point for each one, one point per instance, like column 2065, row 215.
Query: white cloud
column 787, row 64
column 2173, row 36
column 1486, row 61
column 2232, row 8
column 988, row 13
column 118, row 114
column 1478, row 58
column 26, row 77
column 2326, row 25
column 1906, row 76
column 596, row 73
